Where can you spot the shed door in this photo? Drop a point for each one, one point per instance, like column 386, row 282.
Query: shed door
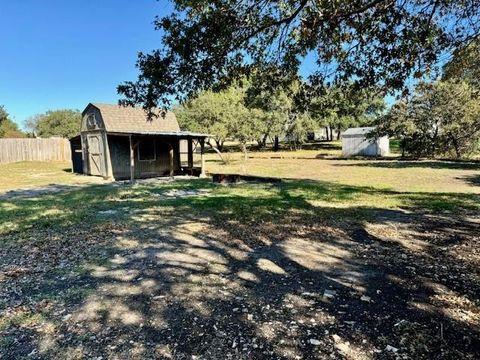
column 95, row 154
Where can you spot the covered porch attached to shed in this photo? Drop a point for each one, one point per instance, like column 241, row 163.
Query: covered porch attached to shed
column 151, row 154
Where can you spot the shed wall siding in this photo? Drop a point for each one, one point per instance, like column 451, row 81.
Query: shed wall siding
column 119, row 148
column 384, row 146
column 359, row 145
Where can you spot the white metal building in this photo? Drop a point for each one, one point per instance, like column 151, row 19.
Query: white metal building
column 356, row 142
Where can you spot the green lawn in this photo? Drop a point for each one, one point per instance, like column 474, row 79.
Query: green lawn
column 29, row 174
column 188, row 268
column 54, row 211
column 395, row 175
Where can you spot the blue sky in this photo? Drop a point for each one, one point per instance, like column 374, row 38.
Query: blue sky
column 64, row 54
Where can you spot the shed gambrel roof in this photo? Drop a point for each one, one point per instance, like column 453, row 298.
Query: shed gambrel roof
column 121, row 119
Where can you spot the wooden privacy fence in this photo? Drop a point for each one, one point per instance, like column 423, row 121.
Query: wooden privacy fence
column 12, row 150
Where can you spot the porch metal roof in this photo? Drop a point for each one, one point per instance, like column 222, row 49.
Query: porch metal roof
column 184, row 134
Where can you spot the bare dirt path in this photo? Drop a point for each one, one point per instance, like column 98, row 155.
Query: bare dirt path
column 401, row 285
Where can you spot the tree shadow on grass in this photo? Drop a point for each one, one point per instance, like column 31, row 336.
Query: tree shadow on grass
column 429, row 164
column 471, row 179
column 37, row 191
column 241, row 273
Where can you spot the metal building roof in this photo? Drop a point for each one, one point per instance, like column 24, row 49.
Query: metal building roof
column 359, row 131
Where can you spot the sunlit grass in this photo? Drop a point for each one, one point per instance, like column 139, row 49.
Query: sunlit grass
column 249, row 201
column 317, row 186
column 395, row 175
column 28, row 174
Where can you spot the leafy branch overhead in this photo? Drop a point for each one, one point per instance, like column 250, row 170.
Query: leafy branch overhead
column 209, row 44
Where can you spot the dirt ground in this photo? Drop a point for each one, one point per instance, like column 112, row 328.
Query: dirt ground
column 180, row 281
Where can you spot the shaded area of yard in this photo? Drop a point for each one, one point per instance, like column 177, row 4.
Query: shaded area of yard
column 241, row 272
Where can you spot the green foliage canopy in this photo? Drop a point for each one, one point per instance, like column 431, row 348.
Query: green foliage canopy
column 223, row 115
column 8, row 128
column 65, row 123
column 440, row 119
column 212, row 43
column 343, row 106
column 284, row 114
column 465, row 64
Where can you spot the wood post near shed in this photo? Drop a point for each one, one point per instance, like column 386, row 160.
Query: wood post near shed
column 170, row 156
column 132, row 161
column 202, row 156
column 190, row 154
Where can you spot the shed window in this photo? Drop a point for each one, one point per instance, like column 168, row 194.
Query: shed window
column 146, row 150
column 91, row 121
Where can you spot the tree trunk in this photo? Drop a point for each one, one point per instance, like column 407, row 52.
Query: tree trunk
column 434, row 141
column 326, row 133
column 262, row 142
column 217, row 150
column 219, row 145
column 456, row 147
column 245, row 157
column 276, row 145
column 338, row 133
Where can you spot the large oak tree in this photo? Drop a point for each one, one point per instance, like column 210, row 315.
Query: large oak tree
column 209, row 43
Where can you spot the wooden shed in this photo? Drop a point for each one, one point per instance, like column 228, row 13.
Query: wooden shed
column 356, row 141
column 122, row 143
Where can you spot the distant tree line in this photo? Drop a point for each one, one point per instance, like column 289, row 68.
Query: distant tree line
column 246, row 112
column 438, row 119
column 8, row 128
column 361, row 50
column 64, row 123
column 441, row 118
column 53, row 123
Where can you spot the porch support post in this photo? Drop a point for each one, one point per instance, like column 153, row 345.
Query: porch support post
column 132, row 161
column 190, row 155
column 202, row 156
column 170, row 154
